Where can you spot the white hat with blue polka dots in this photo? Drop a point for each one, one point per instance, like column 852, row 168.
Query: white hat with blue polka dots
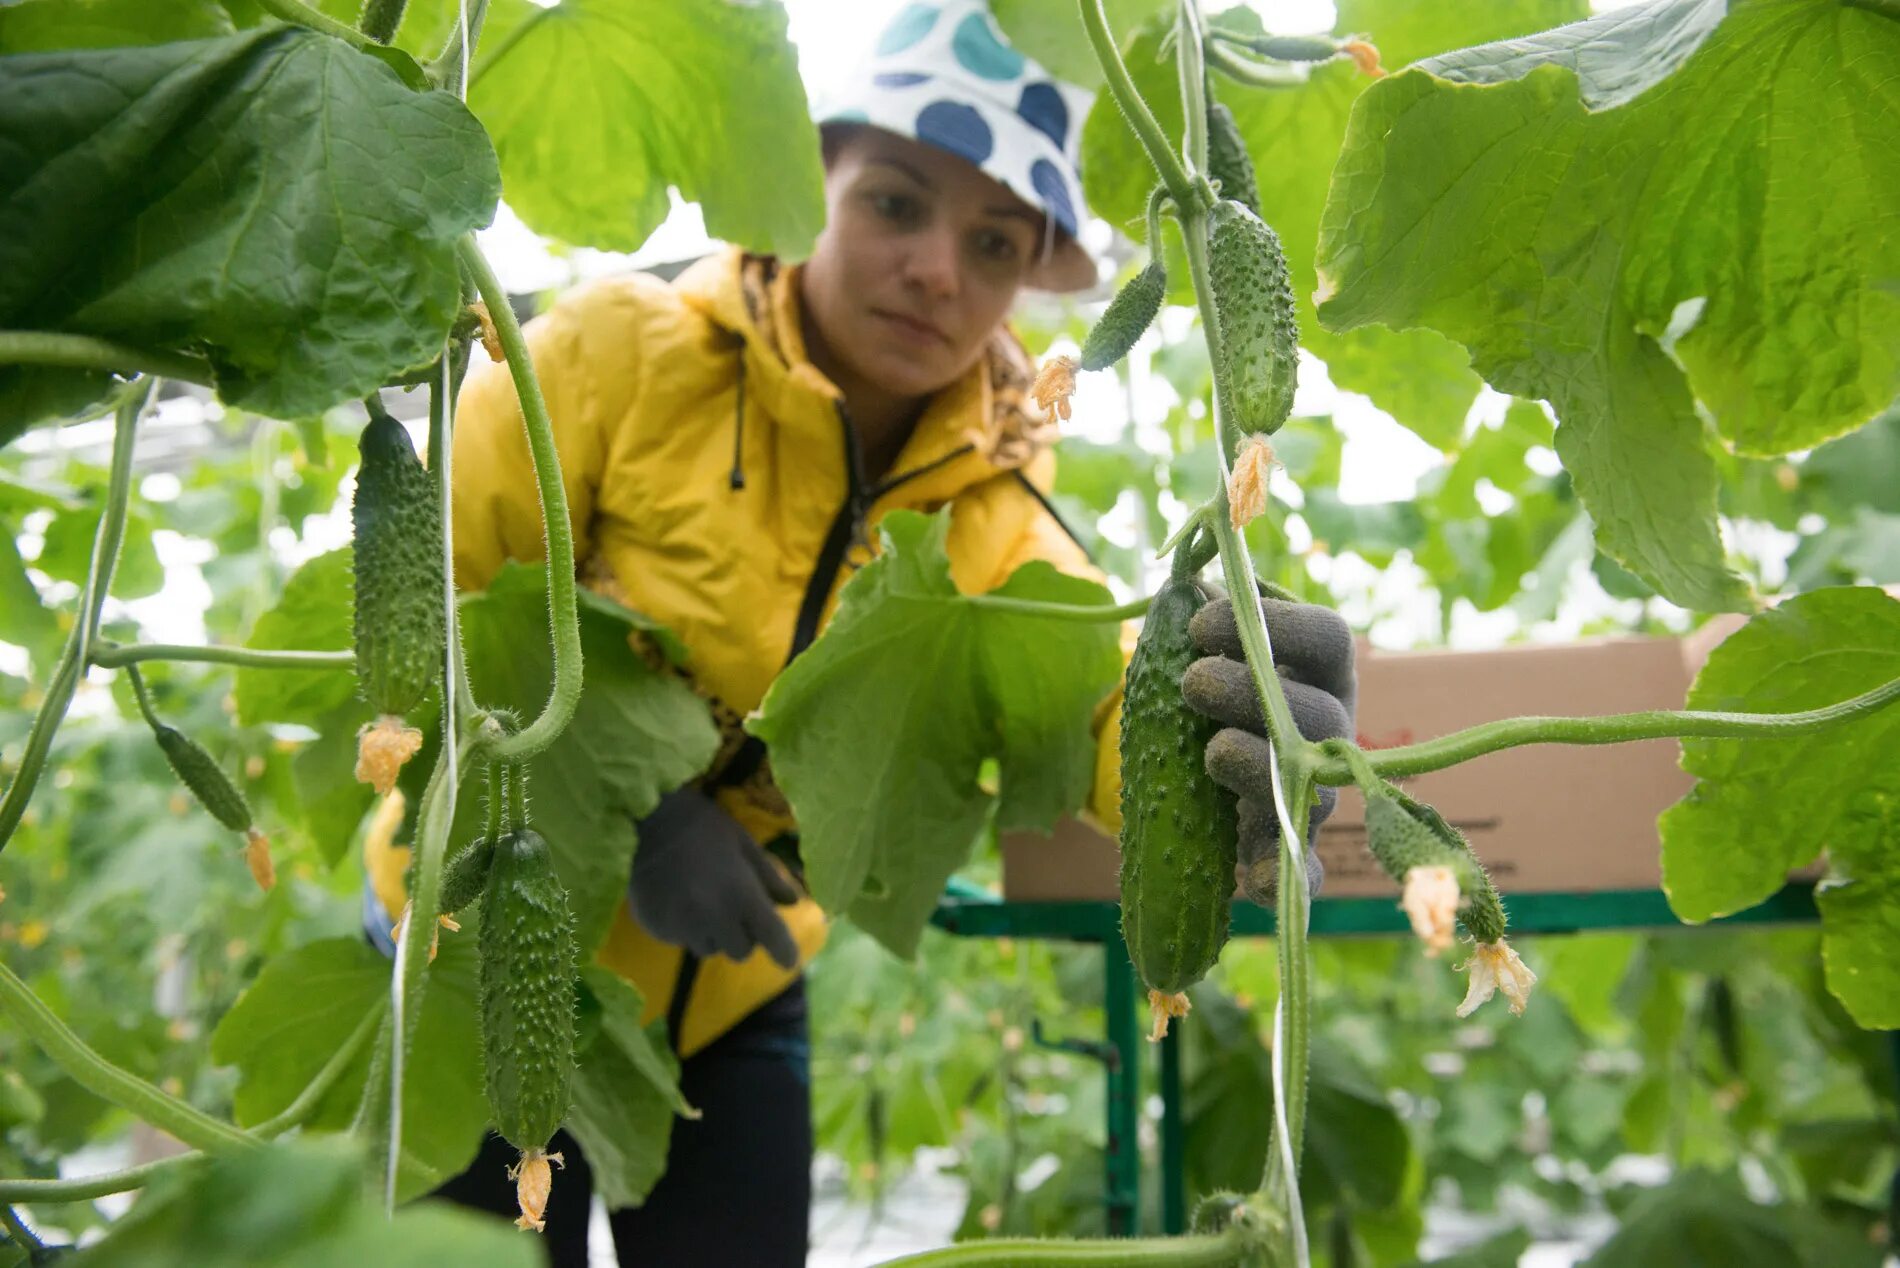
column 943, row 74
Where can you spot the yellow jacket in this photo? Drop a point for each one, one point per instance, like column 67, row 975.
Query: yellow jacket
column 708, row 482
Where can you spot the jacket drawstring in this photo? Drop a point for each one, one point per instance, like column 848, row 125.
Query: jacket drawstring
column 737, row 479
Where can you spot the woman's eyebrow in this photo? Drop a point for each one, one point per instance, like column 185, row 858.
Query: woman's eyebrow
column 1016, row 211
column 905, row 168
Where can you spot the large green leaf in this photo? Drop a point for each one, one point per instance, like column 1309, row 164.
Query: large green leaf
column 311, row 614
column 296, row 1204
column 275, row 201
column 1051, row 31
column 1423, row 379
column 638, row 733
column 39, row 26
column 1564, row 206
column 879, row 729
column 597, row 106
column 1765, row 806
column 308, row 1002
column 626, row 1091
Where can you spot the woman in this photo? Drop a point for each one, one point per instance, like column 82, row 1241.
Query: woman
column 729, row 443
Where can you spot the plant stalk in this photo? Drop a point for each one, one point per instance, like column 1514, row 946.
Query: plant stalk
column 92, row 597
column 19, row 1234
column 299, row 1111
column 450, row 67
column 1330, row 767
column 1063, row 611
column 84, row 1188
column 1291, row 1015
column 564, row 612
column 382, row 19
column 1207, row 1251
column 111, row 655
column 104, row 1079
column 1134, row 109
column 1189, row 50
column 297, row 13
column 82, row 352
column 433, row 822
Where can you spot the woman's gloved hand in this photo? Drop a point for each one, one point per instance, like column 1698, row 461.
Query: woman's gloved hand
column 1312, row 650
column 701, row 882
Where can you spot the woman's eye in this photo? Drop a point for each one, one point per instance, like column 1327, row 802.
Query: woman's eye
column 897, row 208
column 998, row 247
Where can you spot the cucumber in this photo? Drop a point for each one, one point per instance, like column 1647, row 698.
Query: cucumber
column 527, row 991
column 1404, row 833
column 1179, row 828
column 1227, row 159
column 1258, row 354
column 1127, row 316
column 400, row 624
column 465, row 876
column 527, row 988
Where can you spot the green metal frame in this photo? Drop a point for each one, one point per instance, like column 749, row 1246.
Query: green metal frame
column 969, row 911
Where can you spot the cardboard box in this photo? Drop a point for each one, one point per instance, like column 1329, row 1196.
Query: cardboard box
column 1543, row 818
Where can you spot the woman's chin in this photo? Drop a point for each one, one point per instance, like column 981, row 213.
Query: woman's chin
column 904, row 372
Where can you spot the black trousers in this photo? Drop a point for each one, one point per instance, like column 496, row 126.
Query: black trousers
column 737, row 1188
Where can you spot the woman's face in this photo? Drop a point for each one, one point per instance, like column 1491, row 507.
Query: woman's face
column 919, row 261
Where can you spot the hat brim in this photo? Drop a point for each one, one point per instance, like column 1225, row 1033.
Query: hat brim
column 1068, row 266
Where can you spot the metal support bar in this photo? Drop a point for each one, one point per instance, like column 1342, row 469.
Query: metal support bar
column 1122, row 1157
column 1173, row 1142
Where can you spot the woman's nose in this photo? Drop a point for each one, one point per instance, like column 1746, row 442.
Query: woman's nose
column 932, row 263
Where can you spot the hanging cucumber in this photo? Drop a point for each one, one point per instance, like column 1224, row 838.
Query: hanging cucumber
column 400, row 623
column 527, row 986
column 1179, row 828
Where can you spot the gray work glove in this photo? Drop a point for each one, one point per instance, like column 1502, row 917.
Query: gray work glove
column 701, row 882
column 1312, row 650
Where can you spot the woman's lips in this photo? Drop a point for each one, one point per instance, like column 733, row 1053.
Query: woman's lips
column 910, row 329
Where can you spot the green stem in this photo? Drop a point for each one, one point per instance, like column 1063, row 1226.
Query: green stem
column 92, row 598
column 1190, row 45
column 84, row 1188
column 441, row 461
column 450, row 67
column 82, row 352
column 508, row 42
column 298, row 14
column 19, row 1233
column 117, row 655
column 144, row 697
column 100, row 1077
column 1197, row 517
column 497, row 800
column 1214, row 1251
column 1292, row 1020
column 1063, row 611
column 1249, row 72
column 433, row 822
column 1134, row 109
column 298, row 1112
column 382, row 19
column 518, row 797
column 564, row 612
column 1615, row 728
column 1157, row 199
